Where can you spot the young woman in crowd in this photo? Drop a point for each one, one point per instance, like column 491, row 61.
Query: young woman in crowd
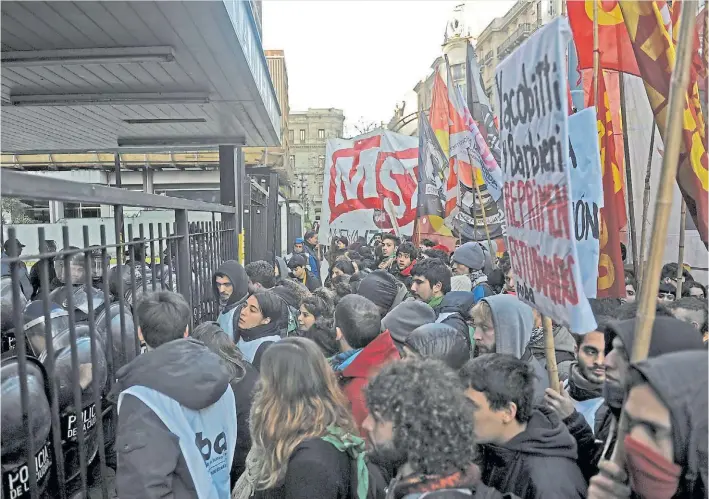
column 243, row 381
column 263, row 321
column 304, row 443
column 319, row 304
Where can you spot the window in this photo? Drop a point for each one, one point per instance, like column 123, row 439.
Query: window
column 291, row 135
column 321, row 162
column 321, row 133
column 82, row 210
column 302, row 135
column 321, row 191
column 291, row 160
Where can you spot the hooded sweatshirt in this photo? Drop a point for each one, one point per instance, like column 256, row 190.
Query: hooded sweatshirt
column 539, row 463
column 513, row 322
column 229, row 314
column 441, row 342
column 383, row 289
column 564, row 346
column 283, row 270
column 356, row 369
column 402, row 320
column 151, row 463
column 455, row 312
column 680, row 381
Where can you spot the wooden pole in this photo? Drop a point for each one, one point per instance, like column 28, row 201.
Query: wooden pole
column 646, row 207
column 550, row 352
column 673, row 142
column 596, row 54
column 628, row 176
column 482, row 208
column 389, row 208
column 680, row 256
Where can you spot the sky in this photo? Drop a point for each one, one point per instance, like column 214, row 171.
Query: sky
column 362, row 56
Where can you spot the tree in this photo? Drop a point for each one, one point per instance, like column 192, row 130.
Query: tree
column 14, row 211
column 363, row 126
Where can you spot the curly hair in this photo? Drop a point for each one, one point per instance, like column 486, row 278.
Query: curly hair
column 320, row 303
column 436, row 441
column 297, row 398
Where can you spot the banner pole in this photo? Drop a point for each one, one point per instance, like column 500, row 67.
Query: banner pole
column 646, row 207
column 596, row 54
column 482, row 208
column 673, row 143
column 550, row 352
column 389, row 207
column 628, row 176
column 680, row 256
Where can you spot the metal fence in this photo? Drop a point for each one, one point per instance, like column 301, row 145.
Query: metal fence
column 68, row 325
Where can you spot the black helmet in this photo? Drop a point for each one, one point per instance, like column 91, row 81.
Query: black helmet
column 69, row 414
column 34, row 326
column 77, row 268
column 15, row 472
column 6, row 303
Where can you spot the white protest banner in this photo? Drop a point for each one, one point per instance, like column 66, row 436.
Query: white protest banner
column 360, row 174
column 586, row 194
column 531, row 87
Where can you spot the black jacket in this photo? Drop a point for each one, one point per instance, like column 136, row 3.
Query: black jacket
column 150, row 462
column 539, row 463
column 311, row 281
column 316, row 469
column 244, row 397
column 455, row 311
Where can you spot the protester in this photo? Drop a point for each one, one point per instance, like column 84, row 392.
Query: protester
column 231, row 285
column 666, row 293
column 564, row 347
column 389, row 245
column 431, row 280
column 406, row 255
column 403, row 319
column 383, row 289
column 262, row 322
column 668, row 275
column 311, row 248
column 692, row 310
column 440, row 342
column 581, row 404
column 629, row 310
column 668, row 335
column 426, row 244
column 243, row 379
column 261, row 274
column 455, row 311
column 437, row 253
column 524, row 450
column 417, row 445
column 323, row 333
column 317, row 305
column 666, row 441
column 304, row 439
column 690, row 288
column 341, row 242
column 469, row 260
column 341, row 286
column 177, row 421
column 503, row 324
column 631, row 287
column 342, row 267
column 363, row 349
column 300, row 272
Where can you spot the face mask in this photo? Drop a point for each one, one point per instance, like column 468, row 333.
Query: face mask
column 651, row 475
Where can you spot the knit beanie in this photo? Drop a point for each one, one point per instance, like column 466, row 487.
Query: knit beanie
column 471, row 255
column 406, row 317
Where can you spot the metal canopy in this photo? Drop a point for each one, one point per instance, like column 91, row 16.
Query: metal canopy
column 104, row 75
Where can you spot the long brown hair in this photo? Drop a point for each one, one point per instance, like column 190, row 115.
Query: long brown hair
column 297, row 399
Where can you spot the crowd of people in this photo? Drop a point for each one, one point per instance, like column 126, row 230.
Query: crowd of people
column 387, row 370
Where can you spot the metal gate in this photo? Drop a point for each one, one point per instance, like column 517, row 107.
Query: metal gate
column 261, row 217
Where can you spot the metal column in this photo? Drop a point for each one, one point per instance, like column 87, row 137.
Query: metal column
column 231, row 174
column 272, row 217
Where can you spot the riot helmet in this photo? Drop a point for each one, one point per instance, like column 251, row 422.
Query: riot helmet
column 97, row 263
column 77, row 267
column 6, row 303
column 87, row 415
column 34, row 326
column 15, row 471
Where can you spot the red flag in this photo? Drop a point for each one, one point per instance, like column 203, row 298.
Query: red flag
column 613, row 41
column 611, row 275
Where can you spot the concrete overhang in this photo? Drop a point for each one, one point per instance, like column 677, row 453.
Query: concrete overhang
column 107, row 76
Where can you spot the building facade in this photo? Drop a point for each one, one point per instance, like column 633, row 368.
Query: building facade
column 276, row 158
column 307, row 134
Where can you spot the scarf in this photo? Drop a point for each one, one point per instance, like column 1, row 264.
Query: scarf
column 537, row 335
column 416, row 484
column 435, row 301
column 270, row 329
column 477, row 277
column 352, row 445
column 580, row 388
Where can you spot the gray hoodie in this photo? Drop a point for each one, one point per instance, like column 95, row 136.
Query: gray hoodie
column 150, row 463
column 406, row 317
column 513, row 322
